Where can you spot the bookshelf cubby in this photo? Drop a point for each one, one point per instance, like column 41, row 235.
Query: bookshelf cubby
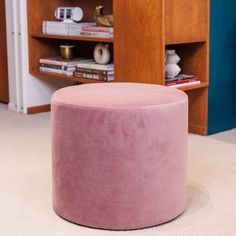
column 142, row 32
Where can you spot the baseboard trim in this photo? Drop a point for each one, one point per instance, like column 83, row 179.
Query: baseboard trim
column 38, row 109
column 12, row 107
column 198, row 129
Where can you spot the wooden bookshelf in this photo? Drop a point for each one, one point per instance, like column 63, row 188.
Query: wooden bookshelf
column 193, row 87
column 72, row 38
column 46, row 75
column 142, row 32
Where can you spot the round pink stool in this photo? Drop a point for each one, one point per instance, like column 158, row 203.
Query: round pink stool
column 119, row 154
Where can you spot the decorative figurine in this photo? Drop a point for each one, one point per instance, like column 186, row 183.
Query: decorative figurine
column 172, row 69
column 102, row 20
column 102, row 54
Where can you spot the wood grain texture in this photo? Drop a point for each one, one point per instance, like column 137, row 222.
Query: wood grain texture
column 41, row 46
column 197, row 129
column 4, row 94
column 89, row 7
column 143, row 28
column 198, row 111
column 138, row 42
column 194, row 59
column 187, row 31
column 186, row 20
column 194, row 87
column 73, row 38
column 40, row 10
column 38, row 109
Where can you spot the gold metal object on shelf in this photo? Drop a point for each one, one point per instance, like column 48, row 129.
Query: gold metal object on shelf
column 101, row 19
column 67, row 52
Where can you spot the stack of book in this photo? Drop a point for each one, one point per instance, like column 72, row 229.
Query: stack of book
column 87, row 29
column 97, row 31
column 92, row 70
column 63, row 28
column 182, row 81
column 59, row 65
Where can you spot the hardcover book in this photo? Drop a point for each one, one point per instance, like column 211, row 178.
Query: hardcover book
column 96, row 34
column 61, row 62
column 93, row 65
column 57, row 71
column 95, row 71
column 58, row 67
column 97, row 29
column 63, row 28
column 94, row 76
column 181, row 81
column 185, row 84
column 180, row 77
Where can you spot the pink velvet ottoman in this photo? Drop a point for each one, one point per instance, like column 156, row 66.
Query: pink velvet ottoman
column 119, row 154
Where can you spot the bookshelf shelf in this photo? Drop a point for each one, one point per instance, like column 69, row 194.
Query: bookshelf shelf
column 47, row 75
column 74, row 38
column 198, row 86
column 185, row 42
column 138, row 52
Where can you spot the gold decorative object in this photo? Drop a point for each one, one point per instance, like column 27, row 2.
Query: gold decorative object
column 100, row 19
column 67, row 52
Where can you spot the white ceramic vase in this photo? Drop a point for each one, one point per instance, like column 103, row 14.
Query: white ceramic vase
column 172, row 70
column 172, row 59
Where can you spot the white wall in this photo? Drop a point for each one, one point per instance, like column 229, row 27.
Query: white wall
column 25, row 90
column 15, row 101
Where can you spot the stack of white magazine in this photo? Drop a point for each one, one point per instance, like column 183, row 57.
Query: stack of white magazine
column 63, row 28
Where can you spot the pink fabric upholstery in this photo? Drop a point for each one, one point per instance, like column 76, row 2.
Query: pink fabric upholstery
column 119, row 154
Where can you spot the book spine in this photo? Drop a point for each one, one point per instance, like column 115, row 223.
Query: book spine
column 96, row 34
column 52, row 62
column 59, row 63
column 44, row 27
column 94, row 71
column 93, row 76
column 97, row 29
column 184, row 84
column 55, row 28
column 50, row 70
column 181, row 81
column 95, row 66
column 59, row 67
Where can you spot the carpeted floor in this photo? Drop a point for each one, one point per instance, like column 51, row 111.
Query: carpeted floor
column 227, row 136
column 25, row 185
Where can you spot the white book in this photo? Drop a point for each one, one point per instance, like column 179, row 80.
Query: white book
column 61, row 62
column 57, row 71
column 56, row 28
column 93, row 65
column 185, row 84
column 63, row 28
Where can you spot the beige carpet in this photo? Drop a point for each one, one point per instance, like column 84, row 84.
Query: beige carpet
column 227, row 136
column 25, row 185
